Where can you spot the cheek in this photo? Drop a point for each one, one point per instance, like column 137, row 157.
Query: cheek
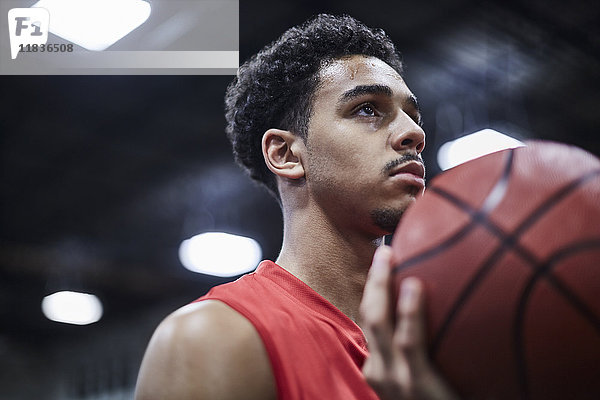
column 343, row 177
column 336, row 162
column 344, row 154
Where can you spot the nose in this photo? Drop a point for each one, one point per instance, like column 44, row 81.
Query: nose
column 408, row 136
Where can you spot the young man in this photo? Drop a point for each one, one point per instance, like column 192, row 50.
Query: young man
column 324, row 119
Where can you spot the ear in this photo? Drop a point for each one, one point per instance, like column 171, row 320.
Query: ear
column 282, row 151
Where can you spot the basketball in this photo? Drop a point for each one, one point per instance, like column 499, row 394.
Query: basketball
column 508, row 249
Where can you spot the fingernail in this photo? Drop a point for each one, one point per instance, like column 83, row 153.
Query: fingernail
column 382, row 255
column 380, row 260
column 409, row 292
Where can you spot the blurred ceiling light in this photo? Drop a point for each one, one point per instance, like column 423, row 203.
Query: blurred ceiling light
column 473, row 146
column 95, row 24
column 220, row 254
column 72, row 308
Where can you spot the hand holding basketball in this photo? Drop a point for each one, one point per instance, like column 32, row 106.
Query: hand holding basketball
column 397, row 367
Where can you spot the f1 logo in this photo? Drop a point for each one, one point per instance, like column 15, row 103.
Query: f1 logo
column 27, row 26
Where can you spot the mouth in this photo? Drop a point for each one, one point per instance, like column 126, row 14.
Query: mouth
column 412, row 167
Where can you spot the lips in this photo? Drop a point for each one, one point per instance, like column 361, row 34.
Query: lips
column 412, row 167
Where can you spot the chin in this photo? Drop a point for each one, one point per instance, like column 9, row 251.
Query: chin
column 387, row 219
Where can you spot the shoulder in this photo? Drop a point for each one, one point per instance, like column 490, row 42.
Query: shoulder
column 205, row 350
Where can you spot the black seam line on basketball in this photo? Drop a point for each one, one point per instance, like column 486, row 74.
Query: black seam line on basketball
column 462, row 298
column 507, row 241
column 553, row 200
column 563, row 288
column 544, row 270
column 451, row 241
column 497, row 193
column 478, row 217
column 491, row 201
column 482, row 220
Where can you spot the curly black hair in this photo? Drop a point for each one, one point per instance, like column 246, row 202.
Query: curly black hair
column 275, row 87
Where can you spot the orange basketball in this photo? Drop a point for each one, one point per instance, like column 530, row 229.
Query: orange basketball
column 508, row 247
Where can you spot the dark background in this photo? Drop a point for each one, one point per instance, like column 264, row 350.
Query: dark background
column 103, row 176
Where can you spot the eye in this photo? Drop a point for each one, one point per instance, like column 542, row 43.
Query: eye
column 366, row 109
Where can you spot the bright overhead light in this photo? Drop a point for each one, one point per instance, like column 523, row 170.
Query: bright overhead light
column 95, row 24
column 472, row 146
column 72, row 308
column 220, row 254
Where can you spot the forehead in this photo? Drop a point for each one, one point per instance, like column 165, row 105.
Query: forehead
column 341, row 75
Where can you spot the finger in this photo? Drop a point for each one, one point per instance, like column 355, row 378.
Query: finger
column 410, row 334
column 375, row 305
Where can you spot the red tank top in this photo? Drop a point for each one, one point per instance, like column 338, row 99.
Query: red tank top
column 316, row 351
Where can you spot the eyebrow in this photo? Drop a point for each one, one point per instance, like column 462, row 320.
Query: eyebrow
column 365, row 89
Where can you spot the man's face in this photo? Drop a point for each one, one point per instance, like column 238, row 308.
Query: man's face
column 364, row 143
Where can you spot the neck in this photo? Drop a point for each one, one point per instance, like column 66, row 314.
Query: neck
column 333, row 263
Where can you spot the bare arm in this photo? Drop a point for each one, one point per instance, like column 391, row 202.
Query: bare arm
column 398, row 367
column 205, row 351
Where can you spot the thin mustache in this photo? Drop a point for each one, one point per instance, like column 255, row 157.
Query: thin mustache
column 402, row 160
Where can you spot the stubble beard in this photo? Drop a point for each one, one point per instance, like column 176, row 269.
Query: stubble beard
column 387, row 218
